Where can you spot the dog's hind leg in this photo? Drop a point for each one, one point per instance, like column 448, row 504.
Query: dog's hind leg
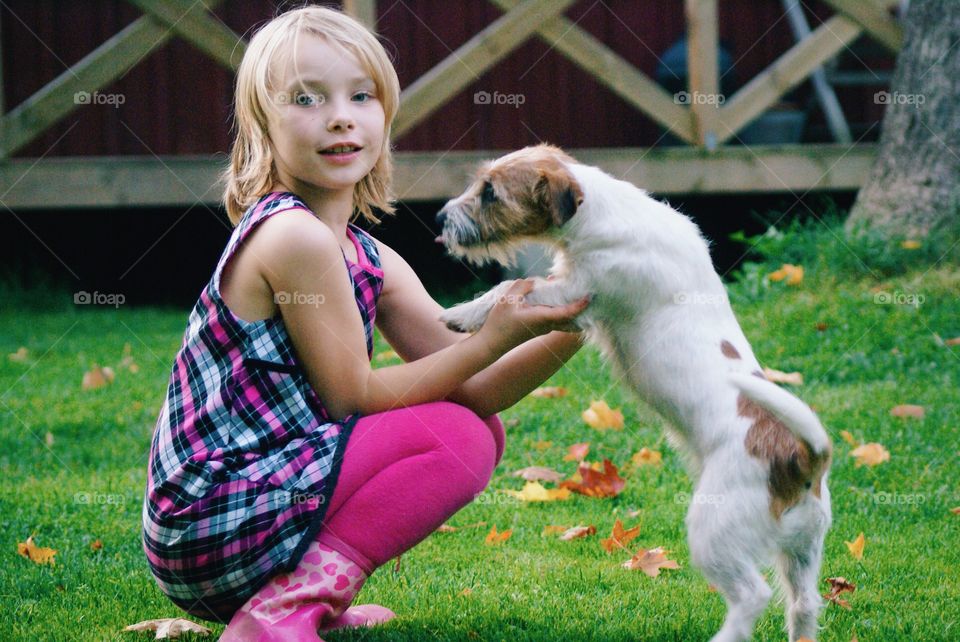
column 799, row 569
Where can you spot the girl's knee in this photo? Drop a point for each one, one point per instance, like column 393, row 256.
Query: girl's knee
column 471, row 442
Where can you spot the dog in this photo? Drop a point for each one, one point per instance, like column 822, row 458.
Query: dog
column 660, row 315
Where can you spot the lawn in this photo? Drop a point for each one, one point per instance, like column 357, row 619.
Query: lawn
column 865, row 328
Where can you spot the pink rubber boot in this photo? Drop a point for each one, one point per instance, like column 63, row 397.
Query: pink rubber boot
column 291, row 607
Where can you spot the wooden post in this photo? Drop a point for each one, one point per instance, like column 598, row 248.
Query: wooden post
column 703, row 70
column 365, row 11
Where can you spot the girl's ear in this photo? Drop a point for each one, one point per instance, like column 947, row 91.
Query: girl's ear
column 559, row 193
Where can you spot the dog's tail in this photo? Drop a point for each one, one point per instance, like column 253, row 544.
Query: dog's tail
column 795, row 415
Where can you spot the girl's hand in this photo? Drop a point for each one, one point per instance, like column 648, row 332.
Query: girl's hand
column 513, row 321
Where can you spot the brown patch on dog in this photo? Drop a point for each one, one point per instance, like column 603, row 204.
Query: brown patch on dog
column 728, row 350
column 533, row 190
column 793, row 469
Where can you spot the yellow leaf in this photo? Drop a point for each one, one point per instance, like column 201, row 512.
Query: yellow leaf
column 543, row 445
column 495, row 539
column 619, row 538
column 535, row 492
column 792, row 378
column 907, row 410
column 577, row 532
column 647, row 457
column 650, row 561
column 847, row 437
column 911, row 244
column 577, row 452
column 856, row 546
column 169, row 627
column 870, row 455
column 34, row 553
column 386, row 355
column 20, row 356
column 549, row 392
column 793, row 274
column 600, row 416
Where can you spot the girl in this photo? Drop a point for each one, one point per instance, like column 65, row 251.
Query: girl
column 284, row 469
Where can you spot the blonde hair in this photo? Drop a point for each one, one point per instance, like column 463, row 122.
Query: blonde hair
column 252, row 171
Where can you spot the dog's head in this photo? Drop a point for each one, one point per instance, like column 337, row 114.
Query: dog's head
column 523, row 196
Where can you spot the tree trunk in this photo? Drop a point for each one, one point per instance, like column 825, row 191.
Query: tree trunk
column 914, row 186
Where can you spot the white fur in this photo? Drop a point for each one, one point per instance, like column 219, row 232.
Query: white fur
column 659, row 312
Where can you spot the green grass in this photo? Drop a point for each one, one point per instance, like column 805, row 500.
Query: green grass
column 869, row 357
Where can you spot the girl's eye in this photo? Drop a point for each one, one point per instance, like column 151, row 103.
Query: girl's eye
column 306, row 100
column 362, row 96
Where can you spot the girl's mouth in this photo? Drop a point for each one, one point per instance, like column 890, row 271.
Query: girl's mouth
column 341, row 154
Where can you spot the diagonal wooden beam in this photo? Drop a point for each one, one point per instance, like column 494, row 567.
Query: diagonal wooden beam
column 875, row 20
column 612, row 70
column 790, row 69
column 100, row 67
column 478, row 54
column 194, row 24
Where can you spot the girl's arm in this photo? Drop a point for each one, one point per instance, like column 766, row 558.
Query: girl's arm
column 409, row 319
column 321, row 316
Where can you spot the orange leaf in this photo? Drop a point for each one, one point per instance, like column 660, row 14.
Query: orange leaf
column 537, row 473
column 856, row 546
column 619, row 538
column 96, row 545
column 577, row 452
column 839, row 585
column 847, row 437
column 870, row 455
column 792, row 378
column 595, row 483
column 553, row 529
column 792, row 273
column 535, row 492
column 650, row 561
column 20, row 356
column 543, row 445
column 549, row 392
column 578, row 531
column 600, row 416
column 647, row 457
column 168, row 627
column 97, row 378
column 495, row 539
column 907, row 410
column 955, row 511
column 950, row 342
column 465, row 592
column 34, row 553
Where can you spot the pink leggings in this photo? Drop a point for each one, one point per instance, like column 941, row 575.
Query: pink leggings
column 404, row 473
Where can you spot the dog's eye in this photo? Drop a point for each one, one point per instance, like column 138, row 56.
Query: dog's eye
column 487, row 195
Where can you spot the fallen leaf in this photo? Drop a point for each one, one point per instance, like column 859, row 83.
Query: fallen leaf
column 955, row 511
column 97, row 378
column 821, row 326
column 578, row 531
column 386, row 355
column 96, row 545
column 792, row 378
column 650, row 561
column 907, row 410
column 535, row 492
column 870, row 455
column 549, row 392
column 543, row 445
column 465, row 592
column 647, row 457
column 600, row 416
column 20, row 356
column 595, row 483
column 910, row 244
column 36, row 554
column 48, row 439
column 792, row 273
column 494, row 538
column 847, row 437
column 553, row 529
column 446, row 528
column 538, row 473
column 169, row 627
column 127, row 360
column 577, row 452
column 856, row 546
column 952, row 342
column 839, row 585
column 619, row 538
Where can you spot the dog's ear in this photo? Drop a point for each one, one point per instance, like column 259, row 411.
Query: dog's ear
column 559, row 193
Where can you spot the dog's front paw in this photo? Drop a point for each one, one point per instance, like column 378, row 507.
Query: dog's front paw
column 461, row 318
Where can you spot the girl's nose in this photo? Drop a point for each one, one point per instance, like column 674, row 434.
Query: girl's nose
column 340, row 120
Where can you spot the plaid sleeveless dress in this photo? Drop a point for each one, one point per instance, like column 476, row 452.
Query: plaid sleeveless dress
column 244, row 456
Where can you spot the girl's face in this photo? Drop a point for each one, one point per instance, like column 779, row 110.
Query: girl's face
column 329, row 130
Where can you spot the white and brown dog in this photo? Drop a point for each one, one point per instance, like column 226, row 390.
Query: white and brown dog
column 660, row 314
